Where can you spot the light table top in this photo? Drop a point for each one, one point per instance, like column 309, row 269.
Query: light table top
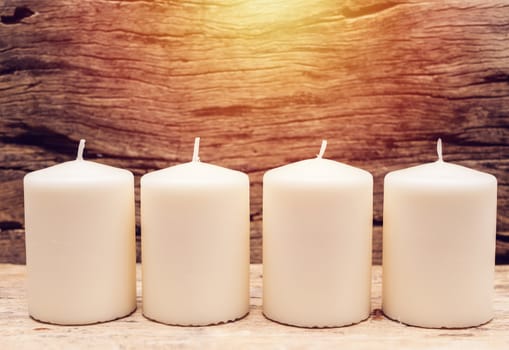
column 17, row 330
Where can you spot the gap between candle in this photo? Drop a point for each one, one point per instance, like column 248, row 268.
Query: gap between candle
column 196, row 149
column 81, row 148
column 439, row 150
column 322, row 149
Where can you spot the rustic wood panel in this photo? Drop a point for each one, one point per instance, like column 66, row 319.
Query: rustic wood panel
column 261, row 81
column 252, row 332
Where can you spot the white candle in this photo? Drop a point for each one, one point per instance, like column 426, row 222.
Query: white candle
column 317, row 225
column 439, row 245
column 80, row 242
column 195, row 244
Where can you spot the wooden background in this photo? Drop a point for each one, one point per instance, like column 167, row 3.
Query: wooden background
column 261, row 81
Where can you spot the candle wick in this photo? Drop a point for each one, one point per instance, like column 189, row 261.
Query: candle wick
column 196, row 150
column 439, row 150
column 322, row 149
column 81, row 148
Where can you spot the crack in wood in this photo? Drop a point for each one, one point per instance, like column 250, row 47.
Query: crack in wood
column 42, row 137
column 501, row 77
column 348, row 12
column 10, row 225
column 19, row 14
column 502, row 238
column 33, row 65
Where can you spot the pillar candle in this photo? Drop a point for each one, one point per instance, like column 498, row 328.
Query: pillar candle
column 80, row 242
column 317, row 226
column 195, row 244
column 439, row 245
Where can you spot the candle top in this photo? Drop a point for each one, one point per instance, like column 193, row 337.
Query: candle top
column 317, row 171
column 440, row 172
column 195, row 173
column 77, row 171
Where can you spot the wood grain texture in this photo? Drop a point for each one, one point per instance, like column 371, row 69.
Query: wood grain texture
column 251, row 332
column 262, row 82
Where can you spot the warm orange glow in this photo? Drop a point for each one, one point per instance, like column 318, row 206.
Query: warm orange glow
column 250, row 13
column 267, row 11
column 237, row 51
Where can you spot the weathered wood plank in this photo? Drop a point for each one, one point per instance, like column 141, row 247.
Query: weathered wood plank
column 252, row 332
column 262, row 82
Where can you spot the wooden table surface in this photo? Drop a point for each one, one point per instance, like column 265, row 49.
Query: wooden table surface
column 18, row 331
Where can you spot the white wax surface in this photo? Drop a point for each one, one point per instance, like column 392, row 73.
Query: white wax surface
column 195, row 244
column 439, row 245
column 317, row 225
column 80, row 243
